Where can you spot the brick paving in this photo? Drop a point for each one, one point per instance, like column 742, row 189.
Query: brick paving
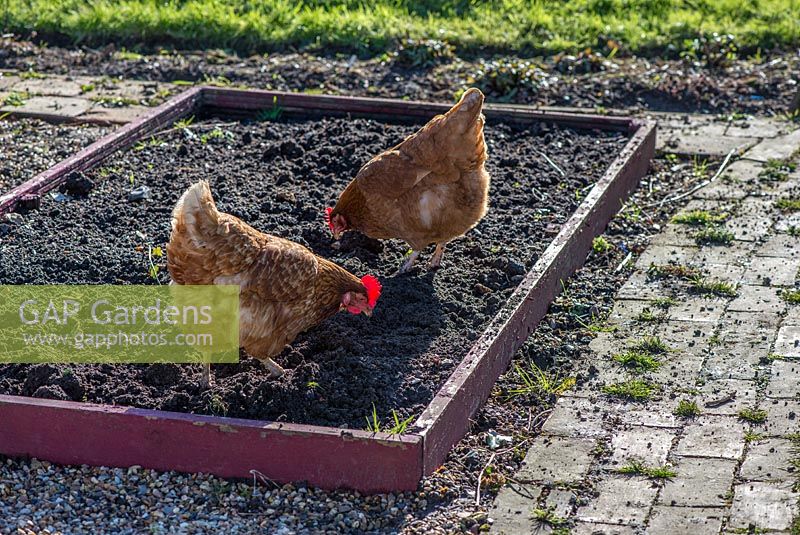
column 732, row 471
column 80, row 98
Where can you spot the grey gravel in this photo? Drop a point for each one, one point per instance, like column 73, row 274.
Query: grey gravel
column 30, row 146
column 40, row 497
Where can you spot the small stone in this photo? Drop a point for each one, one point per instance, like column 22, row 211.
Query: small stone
column 481, row 289
column 14, row 218
column 515, row 268
column 286, row 195
column 139, row 193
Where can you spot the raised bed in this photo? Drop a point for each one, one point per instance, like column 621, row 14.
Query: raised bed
column 77, row 433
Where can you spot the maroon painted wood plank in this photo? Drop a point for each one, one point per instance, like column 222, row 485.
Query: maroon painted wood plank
column 72, row 433
column 447, row 417
column 164, row 114
column 229, row 99
column 82, row 433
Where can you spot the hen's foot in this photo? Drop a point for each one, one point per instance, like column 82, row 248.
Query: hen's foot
column 436, row 259
column 275, row 369
column 409, row 263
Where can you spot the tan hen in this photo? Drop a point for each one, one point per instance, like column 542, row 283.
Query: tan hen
column 431, row 188
column 285, row 289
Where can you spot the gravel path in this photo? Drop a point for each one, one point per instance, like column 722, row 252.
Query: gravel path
column 39, row 497
column 30, row 146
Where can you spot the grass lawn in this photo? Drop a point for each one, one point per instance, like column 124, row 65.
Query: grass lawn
column 524, row 26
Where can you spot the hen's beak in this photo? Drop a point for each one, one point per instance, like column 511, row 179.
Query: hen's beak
column 367, row 312
column 336, row 234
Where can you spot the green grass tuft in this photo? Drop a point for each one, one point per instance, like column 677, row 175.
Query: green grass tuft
column 548, row 516
column 127, row 55
column 636, row 390
column 601, row 245
column 678, row 271
column 534, row 380
column 699, row 218
column 750, row 436
column 31, row 74
column 713, row 236
column 13, row 99
column 646, row 316
column 687, row 409
column 652, row 345
column 708, row 287
column 776, row 170
column 637, row 468
column 597, row 325
column 399, row 427
column 663, row 302
column 270, row 114
column 637, row 361
column 791, row 296
column 754, row 416
column 788, row 205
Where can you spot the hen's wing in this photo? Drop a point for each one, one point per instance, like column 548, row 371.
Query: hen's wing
column 210, row 247
column 391, row 174
column 283, row 271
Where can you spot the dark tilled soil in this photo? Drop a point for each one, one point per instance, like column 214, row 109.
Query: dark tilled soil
column 763, row 85
column 30, row 146
column 279, row 177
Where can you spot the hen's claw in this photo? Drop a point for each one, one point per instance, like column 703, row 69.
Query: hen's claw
column 436, row 259
column 409, row 263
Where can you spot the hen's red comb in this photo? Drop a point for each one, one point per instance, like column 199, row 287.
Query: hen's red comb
column 328, row 211
column 373, row 289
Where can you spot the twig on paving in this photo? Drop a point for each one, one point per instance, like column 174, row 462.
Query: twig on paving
column 624, row 262
column 701, row 185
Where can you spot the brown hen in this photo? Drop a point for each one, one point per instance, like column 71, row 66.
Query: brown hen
column 285, row 289
column 431, row 188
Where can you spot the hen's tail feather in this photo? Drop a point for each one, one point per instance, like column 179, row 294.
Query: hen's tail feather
column 467, row 112
column 195, row 213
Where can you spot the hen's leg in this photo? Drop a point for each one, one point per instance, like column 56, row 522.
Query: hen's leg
column 205, row 379
column 409, row 263
column 274, row 368
column 436, row 259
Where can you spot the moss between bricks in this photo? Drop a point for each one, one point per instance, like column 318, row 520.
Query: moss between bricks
column 687, row 409
column 635, row 390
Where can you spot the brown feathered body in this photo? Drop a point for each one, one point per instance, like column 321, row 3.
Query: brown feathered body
column 430, row 188
column 284, row 288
